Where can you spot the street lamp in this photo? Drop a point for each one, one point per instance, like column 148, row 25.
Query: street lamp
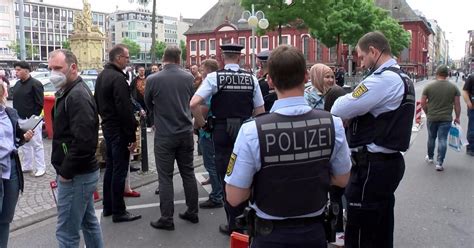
column 254, row 21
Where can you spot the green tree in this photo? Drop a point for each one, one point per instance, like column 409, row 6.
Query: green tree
column 182, row 46
column 160, row 49
column 397, row 36
column 133, row 47
column 145, row 3
column 66, row 45
column 30, row 50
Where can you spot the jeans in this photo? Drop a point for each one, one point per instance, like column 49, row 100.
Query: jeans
column 9, row 191
column 440, row 130
column 116, row 163
column 76, row 211
column 208, row 157
column 470, row 130
column 167, row 150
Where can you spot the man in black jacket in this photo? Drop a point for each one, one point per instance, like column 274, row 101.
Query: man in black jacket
column 28, row 100
column 76, row 125
column 112, row 96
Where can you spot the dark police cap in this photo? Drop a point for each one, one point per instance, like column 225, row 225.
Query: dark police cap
column 232, row 48
column 263, row 56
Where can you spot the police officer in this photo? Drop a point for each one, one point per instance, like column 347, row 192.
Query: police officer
column 287, row 159
column 381, row 108
column 268, row 91
column 236, row 96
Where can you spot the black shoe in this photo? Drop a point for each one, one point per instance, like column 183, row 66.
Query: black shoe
column 106, row 213
column 193, row 218
column 125, row 217
column 224, row 228
column 133, row 169
column 157, row 191
column 159, row 224
column 210, row 204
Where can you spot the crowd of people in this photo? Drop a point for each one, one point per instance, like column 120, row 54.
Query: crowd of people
column 276, row 150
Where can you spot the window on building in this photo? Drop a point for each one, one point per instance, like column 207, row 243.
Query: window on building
column 333, row 54
column 242, row 41
column 43, row 37
column 285, row 40
column 70, row 15
column 4, row 23
column 264, row 42
column 192, row 46
column 49, row 24
column 3, row 9
column 212, row 44
column 27, row 8
column 202, row 45
column 305, row 47
column 64, row 13
column 50, row 38
column 42, row 24
column 94, row 18
column 405, row 55
column 56, row 25
column 252, row 42
column 34, row 23
column 57, row 37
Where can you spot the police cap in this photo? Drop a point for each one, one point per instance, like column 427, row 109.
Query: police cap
column 264, row 55
column 232, row 48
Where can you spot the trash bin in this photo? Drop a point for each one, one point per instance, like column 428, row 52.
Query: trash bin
column 48, row 114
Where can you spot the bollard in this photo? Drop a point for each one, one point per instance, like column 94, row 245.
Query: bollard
column 144, row 144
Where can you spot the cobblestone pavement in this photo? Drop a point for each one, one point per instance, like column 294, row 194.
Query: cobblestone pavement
column 37, row 202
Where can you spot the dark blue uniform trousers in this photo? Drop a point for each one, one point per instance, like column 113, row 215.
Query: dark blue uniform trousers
column 370, row 198
column 223, row 145
column 309, row 236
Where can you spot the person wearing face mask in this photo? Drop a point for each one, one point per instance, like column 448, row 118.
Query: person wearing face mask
column 322, row 79
column 380, row 111
column 76, row 126
column 28, row 100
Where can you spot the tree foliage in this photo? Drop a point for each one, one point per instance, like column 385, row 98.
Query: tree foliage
column 182, row 46
column 30, row 50
column 160, row 49
column 66, row 45
column 397, row 36
column 133, row 47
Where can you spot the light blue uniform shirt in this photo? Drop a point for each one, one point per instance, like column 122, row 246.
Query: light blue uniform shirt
column 209, row 86
column 384, row 93
column 247, row 150
column 7, row 143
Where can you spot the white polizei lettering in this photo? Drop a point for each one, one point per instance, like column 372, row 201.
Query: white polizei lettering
column 300, row 156
column 287, row 157
column 314, row 132
column 269, row 126
column 325, row 121
column 268, row 142
column 329, row 137
column 284, row 125
column 221, row 78
column 271, row 159
column 280, row 143
column 298, row 124
column 296, row 147
column 312, row 122
column 322, row 136
column 305, row 134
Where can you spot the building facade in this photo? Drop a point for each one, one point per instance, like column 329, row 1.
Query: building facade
column 7, row 32
column 469, row 56
column 47, row 27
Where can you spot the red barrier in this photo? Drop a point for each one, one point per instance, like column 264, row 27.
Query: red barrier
column 238, row 240
column 418, row 112
column 48, row 115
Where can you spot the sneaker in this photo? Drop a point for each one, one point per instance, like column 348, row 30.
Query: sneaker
column 428, row 160
column 40, row 173
column 439, row 167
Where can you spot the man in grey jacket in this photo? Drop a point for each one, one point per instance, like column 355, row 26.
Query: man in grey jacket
column 167, row 95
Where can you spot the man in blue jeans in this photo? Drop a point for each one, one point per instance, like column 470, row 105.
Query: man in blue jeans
column 76, row 125
column 437, row 101
column 468, row 95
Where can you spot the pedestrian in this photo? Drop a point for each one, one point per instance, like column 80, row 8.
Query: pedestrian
column 28, row 100
column 197, row 76
column 438, row 100
column 207, row 145
column 137, row 88
column 154, row 68
column 268, row 91
column 236, row 96
column 167, row 95
column 381, row 109
column 288, row 177
column 468, row 95
column 76, row 126
column 340, row 76
column 11, row 178
column 322, row 79
column 112, row 96
column 457, row 76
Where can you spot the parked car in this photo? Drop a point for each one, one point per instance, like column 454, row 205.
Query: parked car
column 89, row 72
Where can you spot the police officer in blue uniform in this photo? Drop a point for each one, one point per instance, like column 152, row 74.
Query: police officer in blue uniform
column 236, row 96
column 287, row 159
column 268, row 91
column 381, row 110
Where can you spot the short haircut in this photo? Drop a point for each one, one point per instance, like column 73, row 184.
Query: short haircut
column 140, row 67
column 375, row 39
column 287, row 67
column 231, row 56
column 117, row 50
column 70, row 57
column 22, row 65
column 155, row 65
column 172, row 54
column 211, row 64
column 442, row 71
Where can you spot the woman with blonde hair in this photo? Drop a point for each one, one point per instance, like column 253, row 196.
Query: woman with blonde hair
column 322, row 79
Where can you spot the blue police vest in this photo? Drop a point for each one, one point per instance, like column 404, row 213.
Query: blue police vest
column 295, row 174
column 234, row 98
column 391, row 129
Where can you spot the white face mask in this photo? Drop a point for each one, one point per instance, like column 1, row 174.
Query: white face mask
column 58, row 79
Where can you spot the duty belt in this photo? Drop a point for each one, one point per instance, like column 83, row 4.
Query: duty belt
column 291, row 222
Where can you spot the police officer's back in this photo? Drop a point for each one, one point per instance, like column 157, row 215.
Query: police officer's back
column 236, row 96
column 287, row 159
column 381, row 108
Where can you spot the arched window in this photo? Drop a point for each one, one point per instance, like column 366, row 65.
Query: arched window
column 305, row 46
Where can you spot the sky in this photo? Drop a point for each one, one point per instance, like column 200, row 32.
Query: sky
column 454, row 16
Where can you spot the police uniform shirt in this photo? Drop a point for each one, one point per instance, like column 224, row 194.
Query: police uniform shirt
column 209, row 86
column 246, row 155
column 377, row 94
